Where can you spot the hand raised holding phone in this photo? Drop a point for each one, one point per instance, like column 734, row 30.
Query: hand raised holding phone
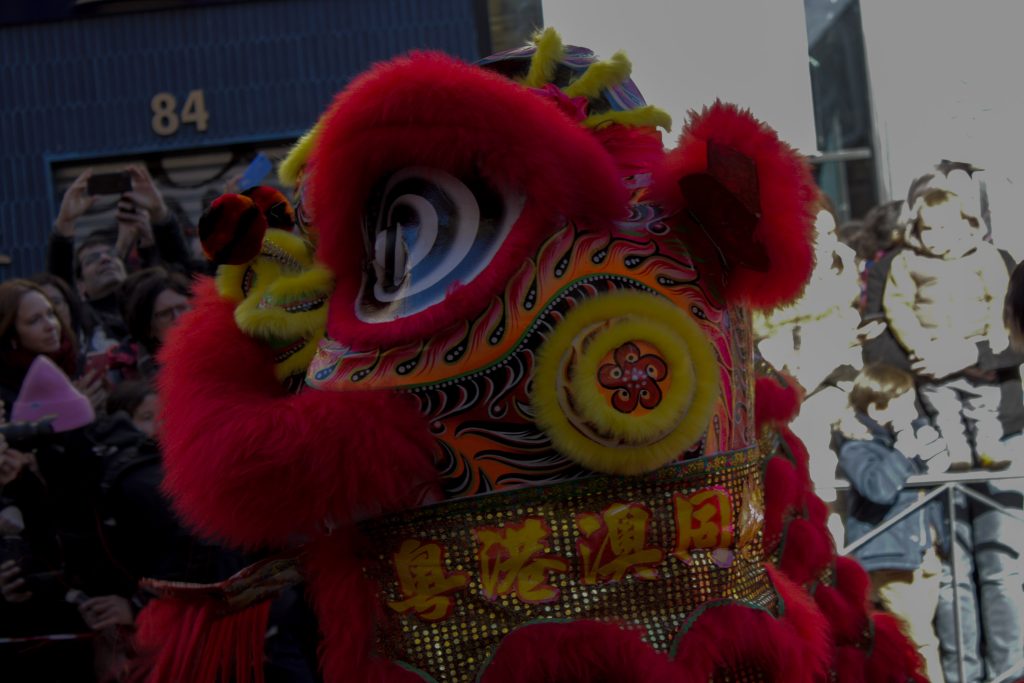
column 144, row 194
column 76, row 201
column 133, row 227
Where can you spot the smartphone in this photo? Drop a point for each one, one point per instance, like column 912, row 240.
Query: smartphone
column 254, row 174
column 99, row 363
column 110, row 183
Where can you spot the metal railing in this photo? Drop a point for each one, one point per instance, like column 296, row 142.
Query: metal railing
column 950, row 485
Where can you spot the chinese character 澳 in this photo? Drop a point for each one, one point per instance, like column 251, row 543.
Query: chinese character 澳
column 424, row 583
column 703, row 520
column 513, row 559
column 615, row 542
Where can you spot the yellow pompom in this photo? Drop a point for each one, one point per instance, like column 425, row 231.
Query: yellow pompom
column 625, row 384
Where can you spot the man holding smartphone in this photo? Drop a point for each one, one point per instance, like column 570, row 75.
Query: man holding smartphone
column 146, row 233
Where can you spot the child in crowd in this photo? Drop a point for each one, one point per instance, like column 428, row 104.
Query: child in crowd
column 944, row 303
column 138, row 401
column 902, row 561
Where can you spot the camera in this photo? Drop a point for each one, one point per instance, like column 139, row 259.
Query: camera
column 27, row 436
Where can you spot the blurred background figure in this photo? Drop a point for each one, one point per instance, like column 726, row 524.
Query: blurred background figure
column 943, row 301
column 903, row 562
column 795, row 339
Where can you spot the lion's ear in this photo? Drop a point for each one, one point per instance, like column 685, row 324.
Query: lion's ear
column 752, row 195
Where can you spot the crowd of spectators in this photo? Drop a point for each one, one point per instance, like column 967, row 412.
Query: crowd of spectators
column 82, row 518
column 902, row 346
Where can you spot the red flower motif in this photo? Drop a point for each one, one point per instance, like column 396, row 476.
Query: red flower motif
column 634, row 377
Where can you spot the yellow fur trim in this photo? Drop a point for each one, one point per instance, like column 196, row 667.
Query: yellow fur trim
column 564, row 405
column 288, row 170
column 294, row 246
column 293, row 254
column 600, row 75
column 298, row 363
column 229, row 281
column 286, row 301
column 266, row 314
column 646, row 116
column 549, row 52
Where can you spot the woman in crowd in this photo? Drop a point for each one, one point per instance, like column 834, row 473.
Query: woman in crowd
column 68, row 305
column 30, row 326
column 154, row 299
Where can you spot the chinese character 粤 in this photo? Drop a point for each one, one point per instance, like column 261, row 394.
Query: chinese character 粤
column 424, row 583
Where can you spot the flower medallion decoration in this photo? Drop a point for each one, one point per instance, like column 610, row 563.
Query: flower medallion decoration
column 625, row 383
column 634, row 377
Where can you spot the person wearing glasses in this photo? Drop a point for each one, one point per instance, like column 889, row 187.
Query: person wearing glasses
column 153, row 301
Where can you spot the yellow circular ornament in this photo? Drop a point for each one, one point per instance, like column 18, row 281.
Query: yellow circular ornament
column 625, row 384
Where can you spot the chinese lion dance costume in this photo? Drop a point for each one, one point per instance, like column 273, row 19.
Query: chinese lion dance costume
column 490, row 377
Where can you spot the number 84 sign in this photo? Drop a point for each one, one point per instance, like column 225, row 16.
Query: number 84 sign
column 167, row 118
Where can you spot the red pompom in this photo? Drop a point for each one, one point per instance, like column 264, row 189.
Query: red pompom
column 232, row 230
column 274, row 205
column 774, row 402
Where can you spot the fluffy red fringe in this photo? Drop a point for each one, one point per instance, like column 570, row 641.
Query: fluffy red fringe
column 798, row 451
column 635, row 150
column 429, row 109
column 792, row 649
column 576, row 652
column 775, row 403
column 894, row 657
column 347, row 605
column 247, row 462
column 847, row 619
column 179, row 641
column 807, row 551
column 849, row 665
column 787, row 195
column 783, row 491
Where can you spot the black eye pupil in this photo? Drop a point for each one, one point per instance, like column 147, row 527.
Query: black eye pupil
column 405, row 215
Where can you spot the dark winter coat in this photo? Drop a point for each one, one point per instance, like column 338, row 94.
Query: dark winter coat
column 878, row 473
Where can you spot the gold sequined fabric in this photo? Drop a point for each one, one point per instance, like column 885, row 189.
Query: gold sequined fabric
column 456, row 577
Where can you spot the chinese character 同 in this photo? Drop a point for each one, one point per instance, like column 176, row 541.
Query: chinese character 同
column 703, row 520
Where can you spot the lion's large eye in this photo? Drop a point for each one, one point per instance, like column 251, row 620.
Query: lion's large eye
column 427, row 230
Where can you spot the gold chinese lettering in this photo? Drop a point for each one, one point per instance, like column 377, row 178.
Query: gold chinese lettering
column 703, row 520
column 424, row 583
column 513, row 560
column 614, row 543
